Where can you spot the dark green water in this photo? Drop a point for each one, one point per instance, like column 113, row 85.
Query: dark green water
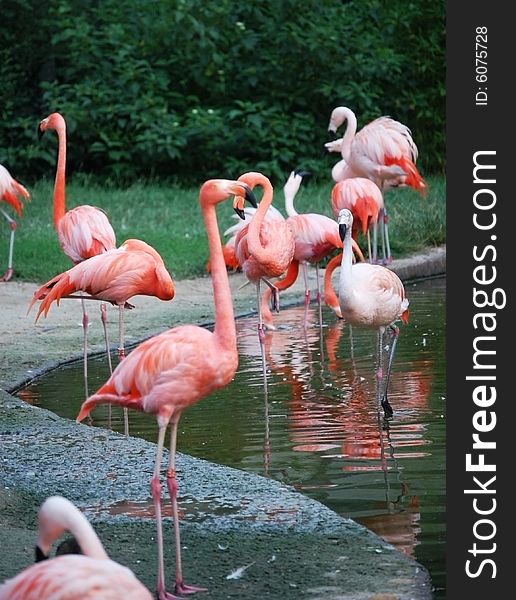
column 318, row 428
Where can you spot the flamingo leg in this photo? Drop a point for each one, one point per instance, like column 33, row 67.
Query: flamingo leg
column 369, row 244
column 103, row 318
column 386, row 235
column 261, row 337
column 180, row 586
column 161, row 591
column 307, row 292
column 387, row 409
column 382, row 235
column 121, row 356
column 379, row 364
column 374, row 258
column 85, row 323
column 319, row 296
column 12, row 224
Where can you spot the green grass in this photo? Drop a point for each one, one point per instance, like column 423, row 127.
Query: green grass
column 169, row 219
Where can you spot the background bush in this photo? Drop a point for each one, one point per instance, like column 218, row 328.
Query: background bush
column 184, row 90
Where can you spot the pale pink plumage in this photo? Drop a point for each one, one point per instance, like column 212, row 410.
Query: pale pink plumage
column 72, row 577
column 370, row 296
column 171, row 371
column 265, row 247
column 12, row 193
column 365, row 201
column 83, row 231
column 114, row 276
column 382, row 151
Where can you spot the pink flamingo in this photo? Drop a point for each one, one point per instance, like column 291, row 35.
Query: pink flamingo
column 83, row 231
column 382, row 151
column 114, row 276
column 265, row 247
column 169, row 372
column 371, row 296
column 365, row 201
column 13, row 193
column 316, row 237
column 73, row 576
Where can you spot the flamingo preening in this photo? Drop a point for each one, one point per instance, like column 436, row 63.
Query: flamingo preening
column 382, row 151
column 91, row 574
column 371, row 296
column 12, row 193
column 173, row 370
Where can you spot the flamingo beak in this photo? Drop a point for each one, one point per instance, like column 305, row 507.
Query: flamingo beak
column 249, row 196
column 39, row 554
column 240, row 212
column 342, row 230
column 40, row 132
column 302, row 173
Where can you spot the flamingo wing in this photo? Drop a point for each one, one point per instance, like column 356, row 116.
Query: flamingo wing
column 85, row 231
column 11, row 191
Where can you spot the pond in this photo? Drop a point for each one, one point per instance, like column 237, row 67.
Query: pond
column 317, row 428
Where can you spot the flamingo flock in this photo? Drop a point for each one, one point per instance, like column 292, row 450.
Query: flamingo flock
column 169, row 372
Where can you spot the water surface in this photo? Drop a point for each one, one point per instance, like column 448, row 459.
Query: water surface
column 318, row 427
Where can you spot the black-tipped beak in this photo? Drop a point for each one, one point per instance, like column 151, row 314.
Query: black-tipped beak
column 249, row 196
column 342, row 230
column 40, row 132
column 39, row 555
column 240, row 213
column 302, row 173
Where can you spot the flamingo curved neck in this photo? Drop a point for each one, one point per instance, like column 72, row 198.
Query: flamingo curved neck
column 346, row 275
column 255, row 246
column 57, row 515
column 289, row 205
column 59, row 184
column 88, row 540
column 351, row 129
column 224, row 318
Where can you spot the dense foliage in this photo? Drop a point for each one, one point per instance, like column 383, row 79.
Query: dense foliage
column 188, row 89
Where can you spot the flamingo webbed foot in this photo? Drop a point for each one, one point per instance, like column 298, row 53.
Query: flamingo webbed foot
column 7, row 275
column 387, row 408
column 183, row 588
column 164, row 595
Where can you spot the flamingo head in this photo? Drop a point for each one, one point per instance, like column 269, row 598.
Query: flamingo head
column 217, row 190
column 345, row 221
column 337, row 118
column 53, row 121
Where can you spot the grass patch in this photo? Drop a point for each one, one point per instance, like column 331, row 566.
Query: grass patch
column 170, row 220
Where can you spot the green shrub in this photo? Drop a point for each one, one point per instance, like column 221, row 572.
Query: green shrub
column 183, row 90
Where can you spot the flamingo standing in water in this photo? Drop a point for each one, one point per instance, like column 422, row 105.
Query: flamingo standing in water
column 73, row 576
column 265, row 247
column 382, row 151
column 365, row 201
column 371, row 296
column 169, row 372
column 83, row 231
column 13, row 193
